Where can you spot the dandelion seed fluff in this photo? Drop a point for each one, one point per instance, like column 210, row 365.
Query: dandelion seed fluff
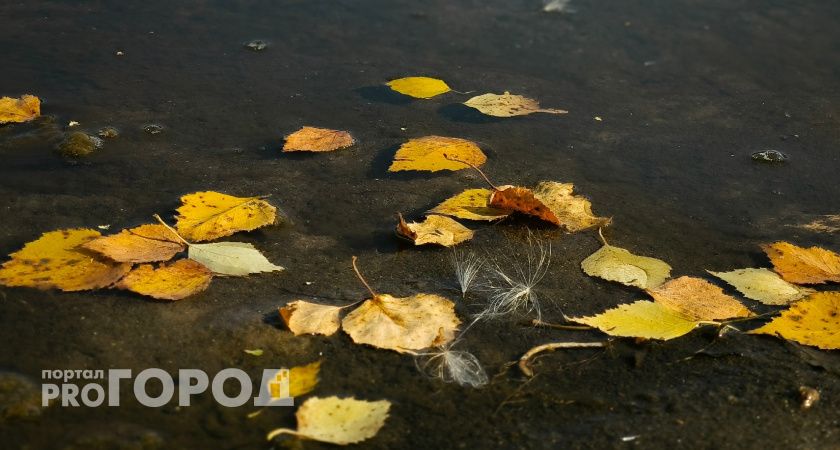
column 453, row 366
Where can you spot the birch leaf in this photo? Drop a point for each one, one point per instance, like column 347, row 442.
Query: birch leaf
column 642, row 319
column 508, row 105
column 550, row 201
column 763, row 285
column 617, row 264
column 16, row 110
column 435, row 153
column 419, row 87
column 209, row 215
column 174, row 281
column 697, row 299
column 435, row 229
column 303, row 379
column 146, row 243
column 813, row 321
column 472, row 204
column 339, row 421
column 804, row 265
column 231, row 258
column 311, row 139
column 303, row 317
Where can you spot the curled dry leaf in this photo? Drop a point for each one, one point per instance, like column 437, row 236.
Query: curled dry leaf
column 508, row 105
column 419, row 87
column 804, row 265
column 16, row 110
column 814, row 321
column 763, row 285
column 56, row 260
column 204, row 216
column 303, row 317
column 403, row 324
column 231, row 258
column 617, row 264
column 172, row 281
column 550, row 201
column 434, row 153
column 434, row 230
column 303, row 379
column 146, row 243
column 697, row 299
column 311, row 139
column 472, row 204
column 642, row 319
column 340, row 421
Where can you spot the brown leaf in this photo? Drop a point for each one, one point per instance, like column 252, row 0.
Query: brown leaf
column 550, row 201
column 434, row 230
column 146, row 243
column 303, row 317
column 804, row 265
column 311, row 139
column 23, row 109
column 697, row 299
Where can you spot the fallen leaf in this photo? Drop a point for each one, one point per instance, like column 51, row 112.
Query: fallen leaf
column 804, row 265
column 172, row 281
column 303, row 317
column 763, row 285
column 472, row 204
column 303, row 379
column 813, row 321
column 508, row 105
column 16, row 110
column 829, row 223
column 338, row 421
column 419, row 87
column 403, row 324
column 254, row 352
column 231, row 258
column 617, row 264
column 56, row 260
column 697, row 299
column 550, row 201
column 642, row 319
column 209, row 215
column 311, row 139
column 146, row 243
column 434, row 153
column 434, row 230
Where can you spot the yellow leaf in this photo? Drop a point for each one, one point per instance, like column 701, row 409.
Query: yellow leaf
column 472, row 204
column 338, row 421
column 311, row 139
column 403, row 324
column 434, row 153
column 814, row 321
column 434, row 230
column 56, row 260
column 209, row 215
column 303, row 317
column 172, row 281
column 642, row 319
column 303, row 379
column 763, row 285
column 508, row 105
column 23, row 109
column 254, row 352
column 419, row 87
column 697, row 299
column 829, row 223
column 146, row 243
column 617, row 264
column 550, row 201
column 804, row 265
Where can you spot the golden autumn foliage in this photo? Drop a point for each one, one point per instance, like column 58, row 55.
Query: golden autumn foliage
column 435, row 229
column 508, row 105
column 58, row 260
column 204, row 216
column 419, row 87
column 16, row 110
column 617, row 264
column 550, row 201
column 171, row 281
column 435, row 153
column 303, row 379
column 763, row 285
column 339, row 421
column 642, row 319
column 311, row 139
column 814, row 321
column 804, row 265
column 472, row 204
column 304, row 317
column 146, row 243
column 697, row 299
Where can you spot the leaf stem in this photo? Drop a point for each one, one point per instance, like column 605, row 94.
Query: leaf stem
column 474, row 167
column 171, row 229
column 601, row 235
column 540, row 323
column 525, row 360
column 278, row 431
column 362, row 279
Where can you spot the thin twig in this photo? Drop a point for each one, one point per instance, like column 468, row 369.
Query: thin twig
column 362, row 279
column 474, row 167
column 525, row 360
column 540, row 323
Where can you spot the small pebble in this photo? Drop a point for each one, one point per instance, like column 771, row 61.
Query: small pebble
column 772, row 156
column 78, row 144
column 108, row 132
column 257, row 45
column 153, row 128
column 808, row 396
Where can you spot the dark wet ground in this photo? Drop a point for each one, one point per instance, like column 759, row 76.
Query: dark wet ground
column 687, row 91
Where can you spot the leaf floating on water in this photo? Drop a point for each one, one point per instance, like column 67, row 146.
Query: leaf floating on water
column 340, row 421
column 209, row 215
column 303, row 317
column 311, row 139
column 254, row 352
column 17, row 110
column 146, row 243
column 173, row 281
column 829, row 223
column 472, row 204
column 508, row 105
column 56, row 260
column 303, row 379
column 231, row 258
column 763, row 285
column 550, row 201
column 697, row 299
column 813, row 321
column 617, row 264
column 435, row 229
column 435, row 153
column 804, row 265
column 642, row 319
column 419, row 87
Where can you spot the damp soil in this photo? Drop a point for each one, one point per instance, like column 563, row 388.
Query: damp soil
column 686, row 91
